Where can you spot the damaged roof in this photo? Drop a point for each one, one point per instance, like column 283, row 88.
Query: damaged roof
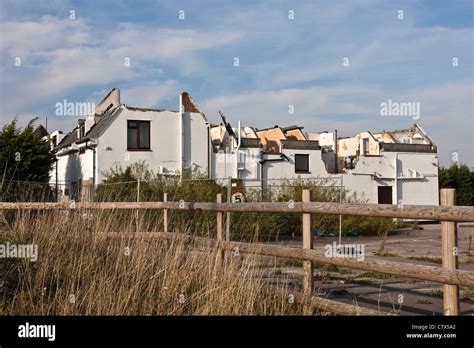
column 69, row 139
column 301, row 144
column 293, row 127
column 100, row 123
column 189, row 105
column 102, row 120
column 414, row 133
column 135, row 108
column 98, row 126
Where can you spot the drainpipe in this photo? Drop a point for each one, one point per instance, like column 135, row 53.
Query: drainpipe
column 93, row 148
column 93, row 167
column 181, row 130
column 209, row 149
column 340, row 216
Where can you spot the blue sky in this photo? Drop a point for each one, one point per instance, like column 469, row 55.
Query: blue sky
column 282, row 61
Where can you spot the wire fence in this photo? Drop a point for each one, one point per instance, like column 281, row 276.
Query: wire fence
column 260, row 226
column 326, row 189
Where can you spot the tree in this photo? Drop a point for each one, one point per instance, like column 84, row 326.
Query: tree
column 461, row 178
column 25, row 162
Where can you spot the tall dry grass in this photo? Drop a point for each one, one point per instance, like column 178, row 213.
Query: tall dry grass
column 80, row 271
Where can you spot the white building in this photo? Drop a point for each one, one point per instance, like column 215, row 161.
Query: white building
column 119, row 135
column 391, row 167
column 261, row 158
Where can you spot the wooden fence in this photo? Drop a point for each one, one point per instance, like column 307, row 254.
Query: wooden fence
column 447, row 213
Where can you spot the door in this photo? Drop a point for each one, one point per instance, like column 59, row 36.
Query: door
column 385, row 194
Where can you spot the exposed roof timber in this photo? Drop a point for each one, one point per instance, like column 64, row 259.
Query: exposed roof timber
column 424, row 133
column 396, row 131
column 407, row 130
column 227, row 125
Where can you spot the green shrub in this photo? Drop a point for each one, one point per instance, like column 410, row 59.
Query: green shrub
column 121, row 185
column 461, row 178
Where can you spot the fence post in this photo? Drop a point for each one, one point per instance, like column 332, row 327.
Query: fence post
column 227, row 226
column 165, row 213
column 307, row 244
column 449, row 254
column 220, row 234
column 219, row 218
column 138, row 201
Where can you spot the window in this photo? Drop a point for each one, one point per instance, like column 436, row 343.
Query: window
column 349, row 162
column 365, row 146
column 301, row 163
column 138, row 135
column 385, row 194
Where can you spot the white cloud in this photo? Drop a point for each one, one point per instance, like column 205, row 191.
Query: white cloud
column 284, row 62
column 270, row 107
column 163, row 43
column 446, row 111
column 150, row 94
column 59, row 55
column 37, row 38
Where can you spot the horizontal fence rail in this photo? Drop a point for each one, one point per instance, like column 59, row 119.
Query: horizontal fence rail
column 447, row 213
column 402, row 269
column 421, row 212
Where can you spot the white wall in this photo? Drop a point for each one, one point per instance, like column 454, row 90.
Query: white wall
column 224, row 164
column 284, row 169
column 421, row 190
column 164, row 142
column 196, row 142
column 73, row 167
column 249, row 160
column 165, row 146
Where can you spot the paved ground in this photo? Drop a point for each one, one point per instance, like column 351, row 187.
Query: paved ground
column 371, row 290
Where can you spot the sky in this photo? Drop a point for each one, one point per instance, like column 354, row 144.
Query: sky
column 323, row 65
